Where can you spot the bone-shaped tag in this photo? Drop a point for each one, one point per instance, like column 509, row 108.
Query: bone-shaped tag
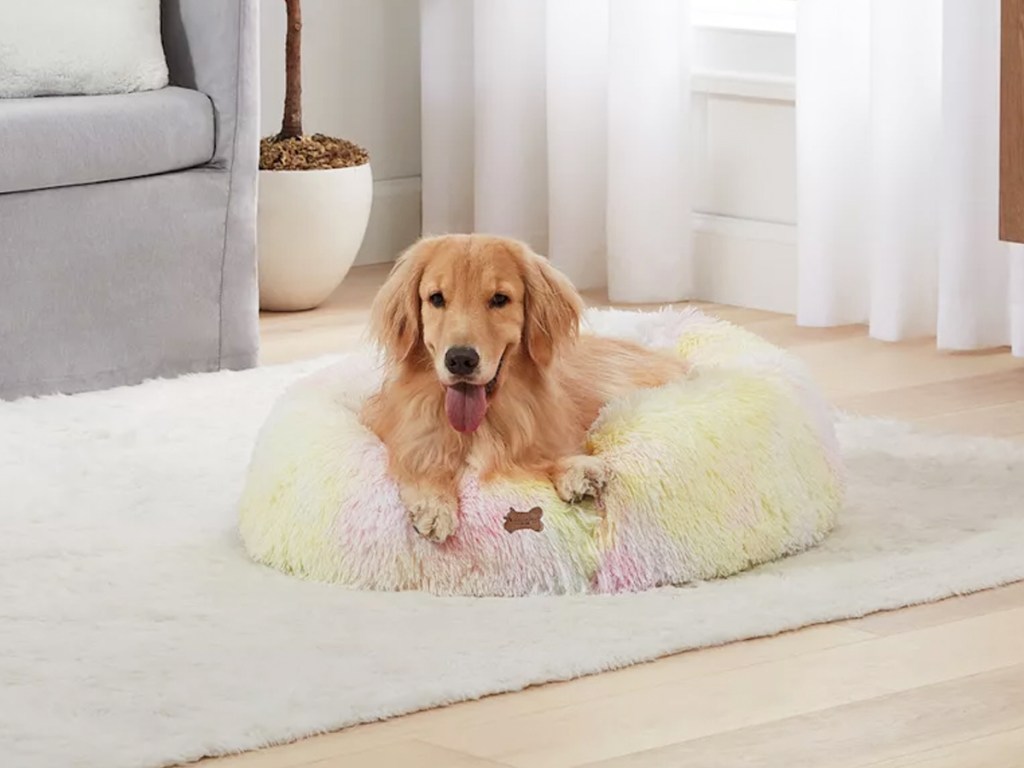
column 519, row 521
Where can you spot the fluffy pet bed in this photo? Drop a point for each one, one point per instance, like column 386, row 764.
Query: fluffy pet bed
column 733, row 466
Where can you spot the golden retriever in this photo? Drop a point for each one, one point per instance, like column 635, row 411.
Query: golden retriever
column 487, row 371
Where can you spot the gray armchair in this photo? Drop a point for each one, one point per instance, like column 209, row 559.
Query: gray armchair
column 128, row 222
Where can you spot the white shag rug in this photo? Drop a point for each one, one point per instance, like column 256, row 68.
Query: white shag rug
column 134, row 632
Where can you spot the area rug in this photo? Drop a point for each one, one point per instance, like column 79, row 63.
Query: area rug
column 134, row 632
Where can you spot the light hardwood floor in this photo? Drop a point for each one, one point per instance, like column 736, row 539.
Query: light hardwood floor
column 935, row 686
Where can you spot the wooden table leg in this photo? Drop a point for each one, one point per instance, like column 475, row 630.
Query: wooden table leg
column 1011, row 123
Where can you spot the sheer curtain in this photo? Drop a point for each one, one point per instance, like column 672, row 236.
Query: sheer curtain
column 898, row 155
column 564, row 123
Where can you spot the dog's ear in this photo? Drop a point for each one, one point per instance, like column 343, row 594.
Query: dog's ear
column 553, row 310
column 395, row 315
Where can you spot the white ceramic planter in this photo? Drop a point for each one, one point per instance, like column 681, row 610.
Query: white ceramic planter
column 311, row 224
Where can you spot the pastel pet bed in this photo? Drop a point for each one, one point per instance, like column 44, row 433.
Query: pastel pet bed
column 735, row 465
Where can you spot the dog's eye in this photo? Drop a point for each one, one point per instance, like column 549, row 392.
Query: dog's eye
column 436, row 299
column 499, row 300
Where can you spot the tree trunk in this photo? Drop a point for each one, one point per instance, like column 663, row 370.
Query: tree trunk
column 291, row 125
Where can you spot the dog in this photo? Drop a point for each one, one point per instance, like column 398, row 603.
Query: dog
column 487, row 371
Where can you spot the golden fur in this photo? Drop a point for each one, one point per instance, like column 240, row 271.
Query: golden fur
column 549, row 389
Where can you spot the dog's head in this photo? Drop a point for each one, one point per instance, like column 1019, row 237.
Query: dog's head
column 468, row 306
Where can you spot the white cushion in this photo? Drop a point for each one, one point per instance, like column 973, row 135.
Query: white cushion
column 67, row 47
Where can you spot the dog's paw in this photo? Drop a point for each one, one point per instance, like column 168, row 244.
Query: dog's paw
column 434, row 517
column 580, row 477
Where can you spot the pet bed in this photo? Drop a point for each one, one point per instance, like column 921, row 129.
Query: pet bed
column 735, row 465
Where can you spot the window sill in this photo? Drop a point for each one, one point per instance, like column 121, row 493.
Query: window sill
column 765, row 16
column 745, row 48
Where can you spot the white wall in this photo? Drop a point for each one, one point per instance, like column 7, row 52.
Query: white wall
column 361, row 62
column 361, row 82
column 745, row 151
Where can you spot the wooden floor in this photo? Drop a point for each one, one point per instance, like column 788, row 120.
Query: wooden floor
column 936, row 686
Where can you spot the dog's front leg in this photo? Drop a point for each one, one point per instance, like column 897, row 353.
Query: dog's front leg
column 578, row 477
column 433, row 508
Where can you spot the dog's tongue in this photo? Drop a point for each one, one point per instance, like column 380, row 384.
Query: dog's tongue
column 465, row 405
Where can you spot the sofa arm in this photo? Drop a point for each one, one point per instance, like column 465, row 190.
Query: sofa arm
column 213, row 47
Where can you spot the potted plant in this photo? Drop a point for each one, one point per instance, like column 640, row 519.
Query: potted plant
column 315, row 194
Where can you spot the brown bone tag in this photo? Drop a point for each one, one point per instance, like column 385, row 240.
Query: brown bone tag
column 519, row 521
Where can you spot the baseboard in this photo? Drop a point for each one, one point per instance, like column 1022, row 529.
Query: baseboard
column 395, row 220
column 745, row 263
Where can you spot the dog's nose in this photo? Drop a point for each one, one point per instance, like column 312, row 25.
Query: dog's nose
column 461, row 361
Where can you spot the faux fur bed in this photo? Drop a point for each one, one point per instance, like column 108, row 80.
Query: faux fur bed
column 735, row 465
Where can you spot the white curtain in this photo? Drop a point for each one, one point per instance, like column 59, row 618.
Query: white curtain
column 564, row 123
column 898, row 155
